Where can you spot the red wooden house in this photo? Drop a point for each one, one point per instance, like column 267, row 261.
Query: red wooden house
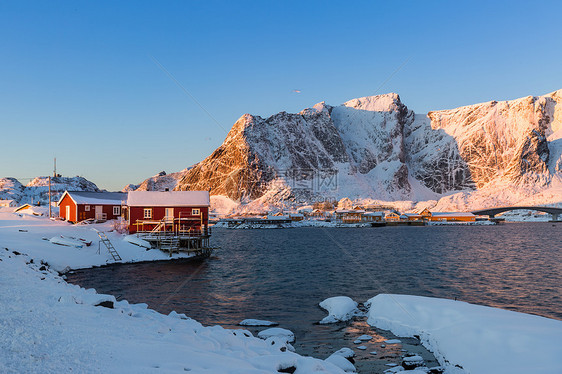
column 184, row 213
column 76, row 206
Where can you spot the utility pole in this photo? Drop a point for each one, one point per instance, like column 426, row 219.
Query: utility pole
column 49, row 197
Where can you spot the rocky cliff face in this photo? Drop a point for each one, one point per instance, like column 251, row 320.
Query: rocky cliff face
column 354, row 149
column 375, row 147
column 502, row 139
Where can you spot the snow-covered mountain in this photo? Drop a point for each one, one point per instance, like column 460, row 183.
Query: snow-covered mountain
column 11, row 189
column 158, row 182
column 375, row 149
column 353, row 150
column 37, row 190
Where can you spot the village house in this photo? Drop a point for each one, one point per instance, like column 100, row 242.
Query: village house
column 318, row 213
column 295, row 217
column 411, row 217
column 182, row 212
column 8, row 203
column 349, row 215
column 76, row 206
column 373, row 217
column 392, row 217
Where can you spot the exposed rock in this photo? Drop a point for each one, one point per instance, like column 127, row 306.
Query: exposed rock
column 106, row 304
column 412, row 362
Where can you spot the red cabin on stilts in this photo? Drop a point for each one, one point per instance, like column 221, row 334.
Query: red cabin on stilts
column 182, row 213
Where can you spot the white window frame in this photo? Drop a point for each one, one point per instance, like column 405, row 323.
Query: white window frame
column 116, row 210
column 147, row 213
column 86, row 208
column 195, row 212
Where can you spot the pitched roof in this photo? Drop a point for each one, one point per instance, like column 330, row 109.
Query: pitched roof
column 95, row 198
column 374, row 214
column 449, row 214
column 169, row 198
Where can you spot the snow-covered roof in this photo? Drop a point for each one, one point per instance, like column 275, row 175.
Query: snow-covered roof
column 281, row 218
column 448, row 214
column 411, row 214
column 349, row 211
column 95, row 198
column 169, row 198
column 374, row 214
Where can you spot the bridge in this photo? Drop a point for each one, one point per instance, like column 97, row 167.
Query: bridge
column 554, row 212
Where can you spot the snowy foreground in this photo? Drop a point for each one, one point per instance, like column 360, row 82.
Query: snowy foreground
column 479, row 339
column 47, row 325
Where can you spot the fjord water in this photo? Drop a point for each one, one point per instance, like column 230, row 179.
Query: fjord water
column 281, row 275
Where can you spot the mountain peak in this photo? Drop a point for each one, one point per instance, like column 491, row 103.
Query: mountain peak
column 378, row 103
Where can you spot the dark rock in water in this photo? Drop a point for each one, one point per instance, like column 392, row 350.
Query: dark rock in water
column 16, row 253
column 412, row 361
column 106, row 304
column 290, row 369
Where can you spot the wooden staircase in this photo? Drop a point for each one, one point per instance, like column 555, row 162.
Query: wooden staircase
column 169, row 243
column 110, row 248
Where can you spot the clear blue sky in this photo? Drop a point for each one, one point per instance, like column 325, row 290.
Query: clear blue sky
column 78, row 80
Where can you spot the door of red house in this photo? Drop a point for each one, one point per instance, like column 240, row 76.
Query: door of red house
column 99, row 212
column 67, row 212
column 169, row 214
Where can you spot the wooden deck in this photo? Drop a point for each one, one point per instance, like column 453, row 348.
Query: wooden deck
column 175, row 235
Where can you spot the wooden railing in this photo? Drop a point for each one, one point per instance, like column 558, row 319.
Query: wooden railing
column 176, row 227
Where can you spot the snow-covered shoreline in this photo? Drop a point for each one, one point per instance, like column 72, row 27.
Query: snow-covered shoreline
column 477, row 338
column 48, row 325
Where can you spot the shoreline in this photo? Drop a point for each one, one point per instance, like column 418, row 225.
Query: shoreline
column 56, row 326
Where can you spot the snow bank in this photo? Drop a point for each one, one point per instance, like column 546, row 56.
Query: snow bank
column 479, row 339
column 340, row 308
column 50, row 326
column 277, row 332
column 341, row 362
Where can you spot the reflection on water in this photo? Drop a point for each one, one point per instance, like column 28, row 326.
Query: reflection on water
column 282, row 275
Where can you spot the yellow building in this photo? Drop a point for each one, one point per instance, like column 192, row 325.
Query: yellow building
column 447, row 216
column 349, row 215
column 392, row 217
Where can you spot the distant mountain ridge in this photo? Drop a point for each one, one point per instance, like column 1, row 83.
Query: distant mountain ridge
column 37, row 190
column 381, row 150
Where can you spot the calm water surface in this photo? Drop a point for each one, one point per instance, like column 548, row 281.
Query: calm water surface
column 282, row 275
